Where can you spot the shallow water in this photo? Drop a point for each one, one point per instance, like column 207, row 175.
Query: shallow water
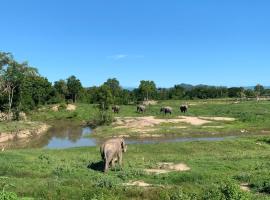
column 67, row 135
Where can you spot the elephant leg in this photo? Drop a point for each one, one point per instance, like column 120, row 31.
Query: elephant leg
column 120, row 159
column 106, row 166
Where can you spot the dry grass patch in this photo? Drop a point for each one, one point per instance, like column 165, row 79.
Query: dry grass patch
column 137, row 183
column 166, row 167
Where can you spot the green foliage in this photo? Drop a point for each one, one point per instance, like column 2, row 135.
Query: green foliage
column 8, row 196
column 147, row 90
column 74, row 86
column 176, row 194
column 226, row 191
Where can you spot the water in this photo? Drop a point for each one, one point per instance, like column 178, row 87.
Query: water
column 65, row 135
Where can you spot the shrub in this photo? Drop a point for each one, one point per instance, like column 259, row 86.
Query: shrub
column 8, row 196
column 225, row 191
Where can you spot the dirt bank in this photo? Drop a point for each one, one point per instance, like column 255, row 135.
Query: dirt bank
column 36, row 128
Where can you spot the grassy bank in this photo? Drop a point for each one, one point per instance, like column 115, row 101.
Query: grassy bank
column 216, row 168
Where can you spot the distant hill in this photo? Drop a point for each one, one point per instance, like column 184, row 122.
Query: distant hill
column 189, row 86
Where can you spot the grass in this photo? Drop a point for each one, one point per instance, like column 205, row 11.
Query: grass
column 251, row 116
column 6, row 127
column 64, row 174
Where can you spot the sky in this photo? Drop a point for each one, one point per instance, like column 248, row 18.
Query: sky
column 213, row 42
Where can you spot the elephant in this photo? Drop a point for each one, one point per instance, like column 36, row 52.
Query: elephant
column 140, row 108
column 166, row 110
column 116, row 109
column 111, row 151
column 184, row 108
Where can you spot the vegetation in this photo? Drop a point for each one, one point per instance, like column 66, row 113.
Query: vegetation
column 24, row 89
column 217, row 171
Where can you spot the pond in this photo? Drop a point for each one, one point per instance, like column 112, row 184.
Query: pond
column 67, row 135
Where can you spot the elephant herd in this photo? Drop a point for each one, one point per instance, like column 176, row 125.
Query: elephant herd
column 112, row 150
column 141, row 109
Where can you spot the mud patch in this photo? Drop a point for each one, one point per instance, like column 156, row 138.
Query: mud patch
column 138, row 184
column 166, row 167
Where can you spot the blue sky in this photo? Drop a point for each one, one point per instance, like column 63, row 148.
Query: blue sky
column 175, row 41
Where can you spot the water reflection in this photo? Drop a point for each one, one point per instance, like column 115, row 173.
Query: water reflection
column 66, row 135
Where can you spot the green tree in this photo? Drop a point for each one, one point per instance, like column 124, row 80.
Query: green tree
column 74, row 86
column 12, row 75
column 147, row 89
column 259, row 90
column 61, row 88
column 105, row 100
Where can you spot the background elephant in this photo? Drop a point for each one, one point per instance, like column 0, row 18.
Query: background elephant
column 166, row 110
column 111, row 151
column 183, row 108
column 116, row 109
column 140, row 108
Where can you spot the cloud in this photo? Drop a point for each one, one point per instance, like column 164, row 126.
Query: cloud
column 123, row 56
column 118, row 56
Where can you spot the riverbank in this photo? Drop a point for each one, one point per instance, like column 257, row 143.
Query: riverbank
column 152, row 171
column 21, row 130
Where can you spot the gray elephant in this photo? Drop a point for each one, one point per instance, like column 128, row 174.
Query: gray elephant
column 141, row 108
column 184, row 108
column 166, row 110
column 111, row 151
column 116, row 109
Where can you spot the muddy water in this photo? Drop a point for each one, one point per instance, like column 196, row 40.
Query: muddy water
column 67, row 135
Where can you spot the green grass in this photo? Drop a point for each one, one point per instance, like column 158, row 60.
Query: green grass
column 6, row 127
column 63, row 174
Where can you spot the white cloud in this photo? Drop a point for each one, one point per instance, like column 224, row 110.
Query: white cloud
column 123, row 56
column 118, row 56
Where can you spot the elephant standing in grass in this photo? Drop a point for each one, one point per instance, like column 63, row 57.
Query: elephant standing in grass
column 166, row 110
column 140, row 108
column 184, row 108
column 116, row 109
column 111, row 151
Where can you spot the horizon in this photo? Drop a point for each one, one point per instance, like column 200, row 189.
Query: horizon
column 210, row 43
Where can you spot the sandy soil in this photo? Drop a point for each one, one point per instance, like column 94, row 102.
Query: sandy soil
column 71, row 107
column 245, row 187
column 150, row 102
column 55, row 108
column 219, row 118
column 137, row 183
column 164, row 167
column 147, row 124
column 213, row 127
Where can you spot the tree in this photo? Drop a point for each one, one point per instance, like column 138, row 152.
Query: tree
column 61, row 88
column 147, row 89
column 105, row 99
column 259, row 90
column 12, row 75
column 36, row 91
column 74, row 86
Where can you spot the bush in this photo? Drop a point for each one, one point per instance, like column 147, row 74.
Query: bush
column 176, row 194
column 225, row 191
column 8, row 196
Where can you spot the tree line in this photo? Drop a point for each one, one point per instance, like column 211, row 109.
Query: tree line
column 23, row 89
